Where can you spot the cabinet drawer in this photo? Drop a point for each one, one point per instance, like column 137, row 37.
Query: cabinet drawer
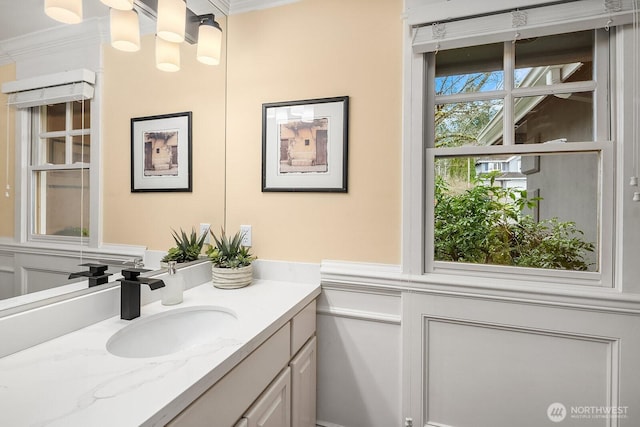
column 303, row 327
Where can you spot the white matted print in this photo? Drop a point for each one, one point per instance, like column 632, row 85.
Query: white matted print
column 304, row 145
column 161, row 153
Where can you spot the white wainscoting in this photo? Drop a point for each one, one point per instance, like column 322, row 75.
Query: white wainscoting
column 394, row 347
column 503, row 363
column 32, row 273
column 7, row 289
column 359, row 353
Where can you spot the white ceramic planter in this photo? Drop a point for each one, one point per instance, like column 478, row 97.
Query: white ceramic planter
column 232, row 278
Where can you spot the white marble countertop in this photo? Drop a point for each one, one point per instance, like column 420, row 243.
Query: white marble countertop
column 73, row 381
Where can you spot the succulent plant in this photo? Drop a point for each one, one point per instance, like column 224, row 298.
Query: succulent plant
column 188, row 247
column 229, row 252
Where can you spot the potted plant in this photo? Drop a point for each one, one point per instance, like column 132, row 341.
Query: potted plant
column 188, row 247
column 231, row 262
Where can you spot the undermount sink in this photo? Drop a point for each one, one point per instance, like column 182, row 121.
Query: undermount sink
column 171, row 331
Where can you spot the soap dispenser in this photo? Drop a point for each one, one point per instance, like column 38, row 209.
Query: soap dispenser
column 173, row 286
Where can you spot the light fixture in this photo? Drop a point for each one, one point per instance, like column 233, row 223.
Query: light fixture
column 167, row 55
column 172, row 15
column 66, row 11
column 125, row 30
column 209, row 40
column 119, row 4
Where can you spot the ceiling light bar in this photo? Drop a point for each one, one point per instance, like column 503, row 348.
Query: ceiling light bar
column 150, row 8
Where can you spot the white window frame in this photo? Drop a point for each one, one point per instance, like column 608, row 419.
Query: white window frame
column 417, row 255
column 22, row 184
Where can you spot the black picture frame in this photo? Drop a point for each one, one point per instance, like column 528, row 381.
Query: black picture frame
column 305, row 145
column 161, row 158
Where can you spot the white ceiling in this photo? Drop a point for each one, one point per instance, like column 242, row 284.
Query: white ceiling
column 20, row 17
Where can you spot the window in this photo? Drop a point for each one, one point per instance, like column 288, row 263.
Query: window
column 518, row 157
column 59, row 171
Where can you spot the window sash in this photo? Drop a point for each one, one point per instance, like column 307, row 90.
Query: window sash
column 37, row 163
column 602, row 277
column 600, row 118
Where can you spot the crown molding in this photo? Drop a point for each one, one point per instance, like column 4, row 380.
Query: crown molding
column 242, row 6
column 88, row 33
column 223, row 5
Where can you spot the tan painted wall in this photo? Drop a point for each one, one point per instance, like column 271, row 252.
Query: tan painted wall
column 7, row 74
column 133, row 87
column 318, row 49
column 309, row 49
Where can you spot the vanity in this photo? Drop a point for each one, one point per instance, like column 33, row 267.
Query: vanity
column 260, row 366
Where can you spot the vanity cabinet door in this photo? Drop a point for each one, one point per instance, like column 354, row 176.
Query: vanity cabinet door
column 273, row 408
column 303, row 386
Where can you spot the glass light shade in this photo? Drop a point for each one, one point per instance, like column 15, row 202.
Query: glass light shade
column 66, row 11
column 167, row 55
column 172, row 16
column 209, row 44
column 125, row 30
column 119, row 4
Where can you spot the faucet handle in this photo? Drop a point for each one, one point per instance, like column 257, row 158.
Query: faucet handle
column 132, row 273
column 96, row 269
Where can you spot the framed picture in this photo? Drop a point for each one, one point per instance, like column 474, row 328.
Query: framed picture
column 161, row 153
column 304, row 145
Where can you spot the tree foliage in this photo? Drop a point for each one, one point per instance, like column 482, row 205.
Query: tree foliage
column 485, row 224
column 459, row 123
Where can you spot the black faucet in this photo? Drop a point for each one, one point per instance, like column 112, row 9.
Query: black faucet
column 130, row 291
column 97, row 274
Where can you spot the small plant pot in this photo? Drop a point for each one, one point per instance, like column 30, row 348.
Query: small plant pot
column 232, row 278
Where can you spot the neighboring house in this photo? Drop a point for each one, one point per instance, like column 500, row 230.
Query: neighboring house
column 550, row 119
column 510, row 175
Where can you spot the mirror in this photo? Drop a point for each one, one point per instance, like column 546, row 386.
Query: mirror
column 128, row 86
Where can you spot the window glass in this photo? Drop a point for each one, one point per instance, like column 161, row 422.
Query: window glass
column 62, row 202
column 474, row 69
column 53, row 151
column 53, row 117
column 526, row 210
column 81, row 115
column 554, row 59
column 81, row 148
column 466, row 123
column 565, row 117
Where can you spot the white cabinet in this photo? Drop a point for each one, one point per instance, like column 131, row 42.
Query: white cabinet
column 303, row 386
column 290, row 401
column 273, row 408
column 226, row 402
column 275, row 386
